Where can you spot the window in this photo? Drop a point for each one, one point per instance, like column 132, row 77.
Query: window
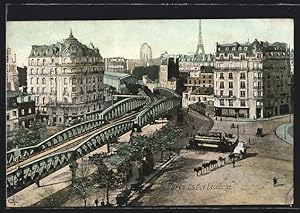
column 31, row 80
column 230, row 76
column 243, row 94
column 43, row 100
column 37, row 80
column 221, row 102
column 227, row 48
column 65, row 90
column 219, row 49
column 31, row 71
column 7, row 117
column 65, row 81
column 245, row 48
column 52, row 60
column 73, row 81
column 43, row 90
column 73, row 89
column 230, row 56
column 233, row 48
column 221, row 92
column 222, row 84
column 243, row 85
column 14, row 113
column 242, row 75
column 22, row 112
column 259, row 93
column 240, row 48
column 44, row 61
column 230, row 102
column 231, row 84
column 259, row 84
column 221, row 75
column 230, row 93
column 43, row 81
column 29, row 111
column 31, row 90
column 243, row 57
column 243, row 103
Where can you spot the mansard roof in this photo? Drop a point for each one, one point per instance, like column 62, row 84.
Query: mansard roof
column 68, row 47
column 263, row 46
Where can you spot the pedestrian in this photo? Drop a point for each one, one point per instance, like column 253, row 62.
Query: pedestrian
column 233, row 162
column 102, row 202
column 96, row 202
column 249, row 141
column 274, row 181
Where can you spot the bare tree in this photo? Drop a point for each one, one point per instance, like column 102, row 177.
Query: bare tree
column 82, row 182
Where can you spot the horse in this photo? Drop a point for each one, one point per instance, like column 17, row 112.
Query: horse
column 205, row 166
column 199, row 169
column 222, row 160
column 213, row 163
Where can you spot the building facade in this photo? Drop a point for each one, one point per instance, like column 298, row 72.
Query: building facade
column 20, row 111
column 252, row 80
column 199, row 87
column 66, row 80
column 11, row 71
column 194, row 62
column 116, row 64
column 118, row 81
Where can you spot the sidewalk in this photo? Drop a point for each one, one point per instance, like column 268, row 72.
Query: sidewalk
column 283, row 132
column 249, row 119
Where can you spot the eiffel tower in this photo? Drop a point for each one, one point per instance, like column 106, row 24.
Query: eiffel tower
column 200, row 46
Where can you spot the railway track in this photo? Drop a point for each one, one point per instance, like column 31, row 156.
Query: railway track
column 71, row 142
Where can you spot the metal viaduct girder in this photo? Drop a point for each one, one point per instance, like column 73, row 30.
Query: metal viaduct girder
column 114, row 111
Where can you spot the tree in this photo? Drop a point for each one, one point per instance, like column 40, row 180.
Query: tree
column 106, row 178
column 83, row 180
column 23, row 137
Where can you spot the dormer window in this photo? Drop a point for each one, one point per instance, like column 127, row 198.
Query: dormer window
column 227, row 48
column 233, row 48
column 240, row 48
column 245, row 48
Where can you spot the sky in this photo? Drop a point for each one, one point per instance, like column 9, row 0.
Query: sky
column 125, row 37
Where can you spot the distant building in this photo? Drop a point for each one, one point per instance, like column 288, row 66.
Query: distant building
column 12, row 81
column 252, row 80
column 199, row 87
column 66, row 80
column 145, row 54
column 118, row 81
column 149, row 83
column 116, row 64
column 167, row 77
column 22, row 75
column 20, row 111
column 192, row 62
